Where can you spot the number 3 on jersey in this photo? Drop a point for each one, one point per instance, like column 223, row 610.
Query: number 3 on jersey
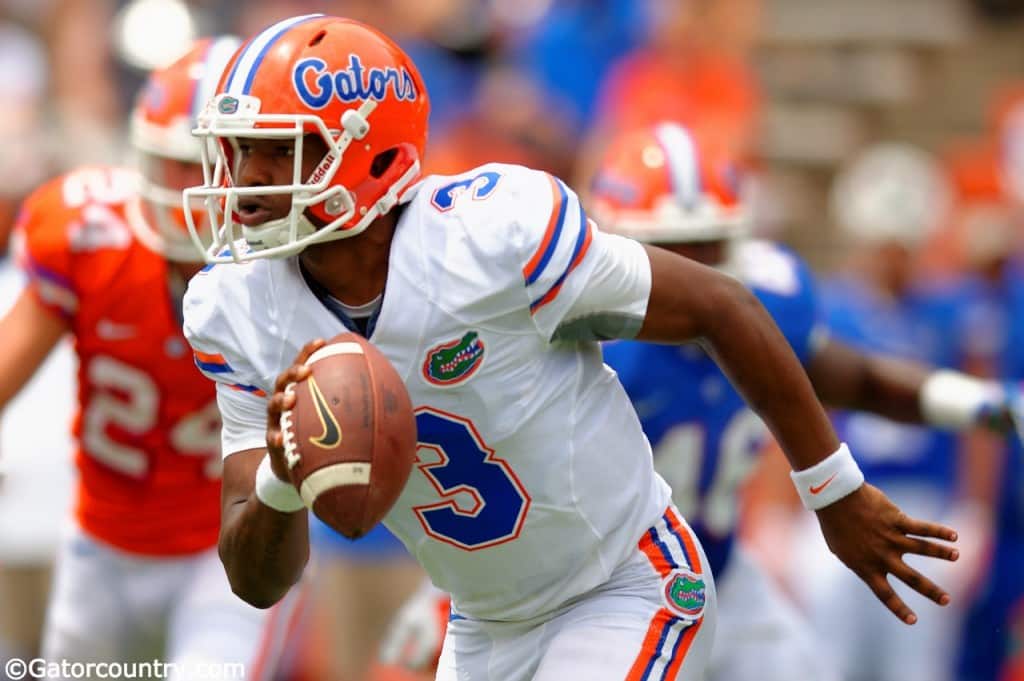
column 479, row 187
column 483, row 503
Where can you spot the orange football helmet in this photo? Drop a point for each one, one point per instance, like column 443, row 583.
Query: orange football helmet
column 655, row 185
column 321, row 75
column 168, row 156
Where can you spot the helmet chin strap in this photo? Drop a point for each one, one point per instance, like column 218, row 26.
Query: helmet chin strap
column 276, row 232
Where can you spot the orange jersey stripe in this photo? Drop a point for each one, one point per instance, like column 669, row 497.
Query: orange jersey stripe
column 211, row 357
column 654, row 555
column 649, row 649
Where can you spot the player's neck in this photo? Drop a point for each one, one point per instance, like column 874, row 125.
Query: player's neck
column 354, row 270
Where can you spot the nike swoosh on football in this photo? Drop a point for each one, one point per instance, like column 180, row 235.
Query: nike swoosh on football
column 818, row 489
column 108, row 330
column 332, row 431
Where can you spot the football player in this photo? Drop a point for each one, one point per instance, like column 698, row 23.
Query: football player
column 107, row 256
column 541, row 512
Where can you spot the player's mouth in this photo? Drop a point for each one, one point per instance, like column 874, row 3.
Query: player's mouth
column 253, row 211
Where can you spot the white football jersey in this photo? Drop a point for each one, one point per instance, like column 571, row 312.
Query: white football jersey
column 534, row 479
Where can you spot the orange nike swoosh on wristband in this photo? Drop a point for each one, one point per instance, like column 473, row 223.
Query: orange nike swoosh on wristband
column 822, row 486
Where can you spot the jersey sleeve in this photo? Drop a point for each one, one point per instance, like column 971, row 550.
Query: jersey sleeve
column 43, row 251
column 580, row 283
column 213, row 333
column 243, row 420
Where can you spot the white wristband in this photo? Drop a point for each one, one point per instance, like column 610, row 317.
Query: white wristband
column 828, row 481
column 274, row 492
column 950, row 399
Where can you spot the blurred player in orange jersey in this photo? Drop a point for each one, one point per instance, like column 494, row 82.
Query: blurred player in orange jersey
column 105, row 251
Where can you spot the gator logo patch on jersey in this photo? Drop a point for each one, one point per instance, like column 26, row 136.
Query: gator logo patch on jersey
column 455, row 361
column 685, row 593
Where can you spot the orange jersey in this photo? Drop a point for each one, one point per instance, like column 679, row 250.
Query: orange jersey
column 147, row 425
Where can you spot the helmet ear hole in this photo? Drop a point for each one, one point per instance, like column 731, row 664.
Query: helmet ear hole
column 381, row 163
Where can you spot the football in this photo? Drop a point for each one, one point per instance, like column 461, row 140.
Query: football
column 350, row 439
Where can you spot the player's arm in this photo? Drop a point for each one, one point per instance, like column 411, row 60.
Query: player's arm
column 28, row 332
column 264, row 541
column 688, row 301
column 903, row 390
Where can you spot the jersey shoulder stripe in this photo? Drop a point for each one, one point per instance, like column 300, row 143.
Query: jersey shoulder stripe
column 564, row 244
column 579, row 251
column 540, row 259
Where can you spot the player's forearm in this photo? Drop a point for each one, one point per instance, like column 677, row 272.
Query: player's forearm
column 849, row 379
column 264, row 551
column 748, row 346
column 904, row 390
column 28, row 332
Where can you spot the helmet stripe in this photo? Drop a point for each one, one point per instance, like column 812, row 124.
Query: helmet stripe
column 681, row 157
column 248, row 62
column 218, row 54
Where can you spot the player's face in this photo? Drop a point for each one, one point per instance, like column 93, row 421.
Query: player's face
column 266, row 162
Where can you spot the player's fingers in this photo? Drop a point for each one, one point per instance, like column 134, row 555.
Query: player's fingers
column 278, row 402
column 919, row 583
column 293, row 374
column 885, row 593
column 921, row 528
column 923, row 547
column 308, row 349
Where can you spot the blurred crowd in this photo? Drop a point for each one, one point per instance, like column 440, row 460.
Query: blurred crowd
column 921, row 241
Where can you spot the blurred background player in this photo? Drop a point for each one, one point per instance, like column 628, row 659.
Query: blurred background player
column 889, row 200
column 107, row 258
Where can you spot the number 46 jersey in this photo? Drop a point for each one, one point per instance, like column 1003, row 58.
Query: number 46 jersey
column 534, row 480
column 147, row 427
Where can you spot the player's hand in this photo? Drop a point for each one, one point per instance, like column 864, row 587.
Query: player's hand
column 282, row 400
column 871, row 535
column 414, row 637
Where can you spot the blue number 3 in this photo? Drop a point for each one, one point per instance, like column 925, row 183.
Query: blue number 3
column 481, row 186
column 467, row 468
